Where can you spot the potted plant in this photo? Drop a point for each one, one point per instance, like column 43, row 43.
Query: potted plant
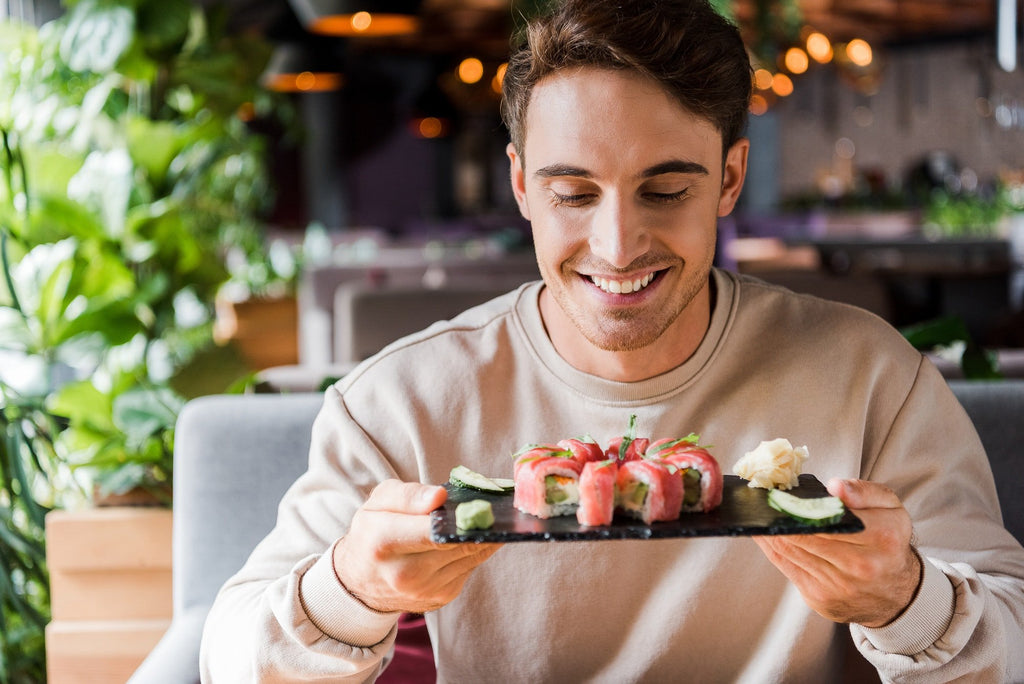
column 126, row 168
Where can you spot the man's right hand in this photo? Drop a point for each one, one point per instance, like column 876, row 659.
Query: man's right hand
column 388, row 561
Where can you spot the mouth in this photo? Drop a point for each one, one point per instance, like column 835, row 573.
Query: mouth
column 624, row 285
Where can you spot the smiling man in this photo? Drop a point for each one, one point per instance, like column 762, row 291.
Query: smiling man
column 626, row 123
column 624, row 225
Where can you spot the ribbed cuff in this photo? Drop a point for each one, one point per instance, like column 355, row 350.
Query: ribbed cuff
column 924, row 621
column 336, row 612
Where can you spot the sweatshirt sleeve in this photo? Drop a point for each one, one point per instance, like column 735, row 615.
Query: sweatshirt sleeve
column 285, row 616
column 966, row 622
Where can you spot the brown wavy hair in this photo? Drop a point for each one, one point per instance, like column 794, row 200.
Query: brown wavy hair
column 685, row 45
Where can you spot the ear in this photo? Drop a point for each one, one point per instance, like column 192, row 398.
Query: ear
column 734, row 172
column 518, row 178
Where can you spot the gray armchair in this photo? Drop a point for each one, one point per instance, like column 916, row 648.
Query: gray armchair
column 236, row 454
column 997, row 409
column 234, row 457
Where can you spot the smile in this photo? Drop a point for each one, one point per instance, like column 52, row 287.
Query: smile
column 623, row 286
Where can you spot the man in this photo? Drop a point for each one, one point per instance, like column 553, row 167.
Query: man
column 625, row 120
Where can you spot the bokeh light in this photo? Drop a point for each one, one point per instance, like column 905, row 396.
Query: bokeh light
column 859, row 52
column 470, row 70
column 819, row 48
column 796, row 60
column 782, row 85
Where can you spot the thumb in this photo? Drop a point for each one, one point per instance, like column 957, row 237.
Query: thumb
column 862, row 494
column 412, row 498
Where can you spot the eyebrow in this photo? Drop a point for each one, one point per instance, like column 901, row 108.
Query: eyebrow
column 556, row 170
column 672, row 166
column 676, row 166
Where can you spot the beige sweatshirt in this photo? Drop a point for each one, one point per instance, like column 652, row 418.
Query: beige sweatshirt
column 773, row 364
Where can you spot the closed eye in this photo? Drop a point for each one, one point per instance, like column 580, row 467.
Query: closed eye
column 570, row 200
column 666, row 197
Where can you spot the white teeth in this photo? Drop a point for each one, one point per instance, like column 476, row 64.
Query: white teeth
column 622, row 286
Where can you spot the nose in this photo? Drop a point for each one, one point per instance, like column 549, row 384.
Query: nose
column 617, row 233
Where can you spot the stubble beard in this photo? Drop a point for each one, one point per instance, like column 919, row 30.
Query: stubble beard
column 630, row 329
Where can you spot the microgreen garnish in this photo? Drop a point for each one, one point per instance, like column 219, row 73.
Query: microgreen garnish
column 628, row 438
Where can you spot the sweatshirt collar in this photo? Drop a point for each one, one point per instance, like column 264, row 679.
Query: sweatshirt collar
column 612, row 391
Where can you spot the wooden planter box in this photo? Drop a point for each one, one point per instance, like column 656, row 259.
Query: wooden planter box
column 110, row 591
column 265, row 331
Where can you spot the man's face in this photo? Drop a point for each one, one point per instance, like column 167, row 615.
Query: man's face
column 623, row 188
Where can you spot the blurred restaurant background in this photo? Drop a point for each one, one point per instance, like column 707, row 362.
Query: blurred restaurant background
column 887, row 165
column 200, row 197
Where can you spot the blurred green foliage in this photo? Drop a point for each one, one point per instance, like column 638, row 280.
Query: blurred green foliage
column 127, row 170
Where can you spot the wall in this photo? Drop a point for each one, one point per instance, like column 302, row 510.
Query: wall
column 937, row 97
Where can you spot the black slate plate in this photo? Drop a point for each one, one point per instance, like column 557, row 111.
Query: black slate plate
column 744, row 512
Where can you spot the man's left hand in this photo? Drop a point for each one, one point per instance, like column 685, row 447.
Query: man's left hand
column 868, row 578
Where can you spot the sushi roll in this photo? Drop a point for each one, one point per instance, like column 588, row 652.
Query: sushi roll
column 547, row 487
column 699, row 470
column 649, row 490
column 622, row 449
column 597, row 493
column 627, row 447
column 583, row 449
column 533, row 452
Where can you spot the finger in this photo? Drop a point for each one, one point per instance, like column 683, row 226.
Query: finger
column 792, row 555
column 411, row 498
column 430, row 577
column 861, row 494
column 462, row 559
column 399, row 533
column 453, row 575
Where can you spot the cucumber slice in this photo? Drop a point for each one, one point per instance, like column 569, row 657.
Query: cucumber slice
column 505, row 483
column 461, row 476
column 823, row 510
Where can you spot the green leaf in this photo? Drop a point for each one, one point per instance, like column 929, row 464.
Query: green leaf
column 935, row 333
column 83, row 405
column 136, row 65
column 97, row 35
column 15, row 334
column 53, row 298
column 50, row 165
column 35, row 512
column 215, row 369
column 142, row 413
column 57, row 217
column 104, row 183
column 122, row 479
column 980, row 364
column 153, row 146
column 163, row 26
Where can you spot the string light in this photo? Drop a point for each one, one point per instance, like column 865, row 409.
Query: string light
column 819, row 48
column 758, row 104
column 429, row 127
column 859, row 52
column 796, row 61
column 361, row 21
column 782, row 85
column 499, row 78
column 855, row 56
column 363, row 24
column 470, row 70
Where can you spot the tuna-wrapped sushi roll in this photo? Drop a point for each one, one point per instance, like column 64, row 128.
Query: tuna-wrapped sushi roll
column 547, row 487
column 627, row 447
column 583, row 449
column 649, row 490
column 532, row 452
column 700, row 471
column 597, row 493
